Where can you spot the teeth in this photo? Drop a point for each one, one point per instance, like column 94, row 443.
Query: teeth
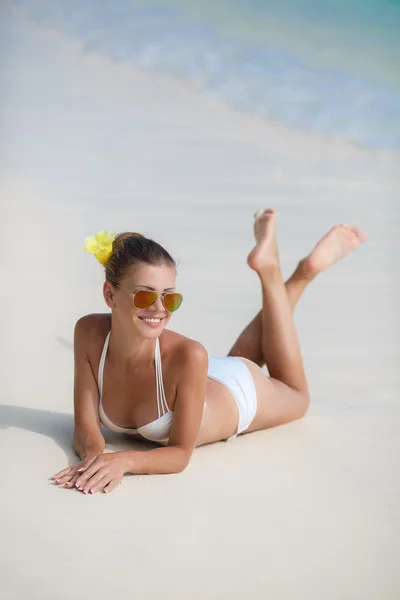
column 152, row 320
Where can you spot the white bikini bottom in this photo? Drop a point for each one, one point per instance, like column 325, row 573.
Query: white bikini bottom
column 233, row 373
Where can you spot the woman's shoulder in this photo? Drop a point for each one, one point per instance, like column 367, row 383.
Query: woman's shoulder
column 93, row 328
column 181, row 347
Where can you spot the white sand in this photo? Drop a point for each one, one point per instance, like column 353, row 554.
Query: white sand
column 305, row 511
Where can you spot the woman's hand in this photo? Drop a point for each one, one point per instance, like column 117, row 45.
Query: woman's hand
column 70, row 475
column 102, row 472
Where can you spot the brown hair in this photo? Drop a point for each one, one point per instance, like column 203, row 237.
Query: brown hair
column 131, row 248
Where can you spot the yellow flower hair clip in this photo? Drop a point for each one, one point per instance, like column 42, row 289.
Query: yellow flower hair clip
column 100, row 245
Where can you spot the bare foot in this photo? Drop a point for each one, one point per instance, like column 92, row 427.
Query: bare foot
column 265, row 253
column 335, row 245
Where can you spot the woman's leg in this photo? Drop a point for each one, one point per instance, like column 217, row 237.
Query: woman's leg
column 283, row 396
column 335, row 245
column 281, row 350
column 249, row 343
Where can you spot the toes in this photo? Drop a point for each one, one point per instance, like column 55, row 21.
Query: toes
column 359, row 234
column 263, row 212
column 259, row 213
column 269, row 212
column 353, row 231
column 356, row 232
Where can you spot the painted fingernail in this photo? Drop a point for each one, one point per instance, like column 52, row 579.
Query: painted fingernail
column 80, row 488
column 91, row 491
column 85, row 492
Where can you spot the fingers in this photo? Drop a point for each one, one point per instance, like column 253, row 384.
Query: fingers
column 61, row 473
column 61, row 479
column 72, row 482
column 69, row 479
column 99, row 485
column 88, row 473
column 86, row 463
column 98, row 476
column 69, row 475
column 90, row 476
column 111, row 486
column 102, row 482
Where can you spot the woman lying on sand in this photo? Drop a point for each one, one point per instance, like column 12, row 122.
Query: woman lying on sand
column 136, row 377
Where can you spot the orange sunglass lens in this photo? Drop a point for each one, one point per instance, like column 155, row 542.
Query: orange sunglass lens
column 144, row 299
column 172, row 301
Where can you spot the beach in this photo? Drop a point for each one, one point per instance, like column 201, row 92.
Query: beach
column 304, row 511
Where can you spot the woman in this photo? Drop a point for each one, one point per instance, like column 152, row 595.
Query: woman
column 136, row 377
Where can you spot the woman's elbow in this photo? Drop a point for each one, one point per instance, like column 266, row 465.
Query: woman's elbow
column 183, row 461
column 302, row 408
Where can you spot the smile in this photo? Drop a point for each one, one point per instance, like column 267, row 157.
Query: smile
column 151, row 321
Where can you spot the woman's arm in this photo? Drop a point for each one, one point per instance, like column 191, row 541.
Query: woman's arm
column 88, row 440
column 188, row 412
column 107, row 470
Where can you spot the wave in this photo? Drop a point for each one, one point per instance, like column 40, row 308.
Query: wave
column 252, row 73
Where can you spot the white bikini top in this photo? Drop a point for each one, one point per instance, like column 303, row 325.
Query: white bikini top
column 156, row 431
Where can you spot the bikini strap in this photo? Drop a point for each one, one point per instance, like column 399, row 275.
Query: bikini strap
column 162, row 405
column 101, row 365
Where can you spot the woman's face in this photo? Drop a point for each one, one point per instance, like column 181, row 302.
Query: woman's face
column 148, row 322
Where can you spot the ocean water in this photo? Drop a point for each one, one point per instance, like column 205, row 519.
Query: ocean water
column 325, row 66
